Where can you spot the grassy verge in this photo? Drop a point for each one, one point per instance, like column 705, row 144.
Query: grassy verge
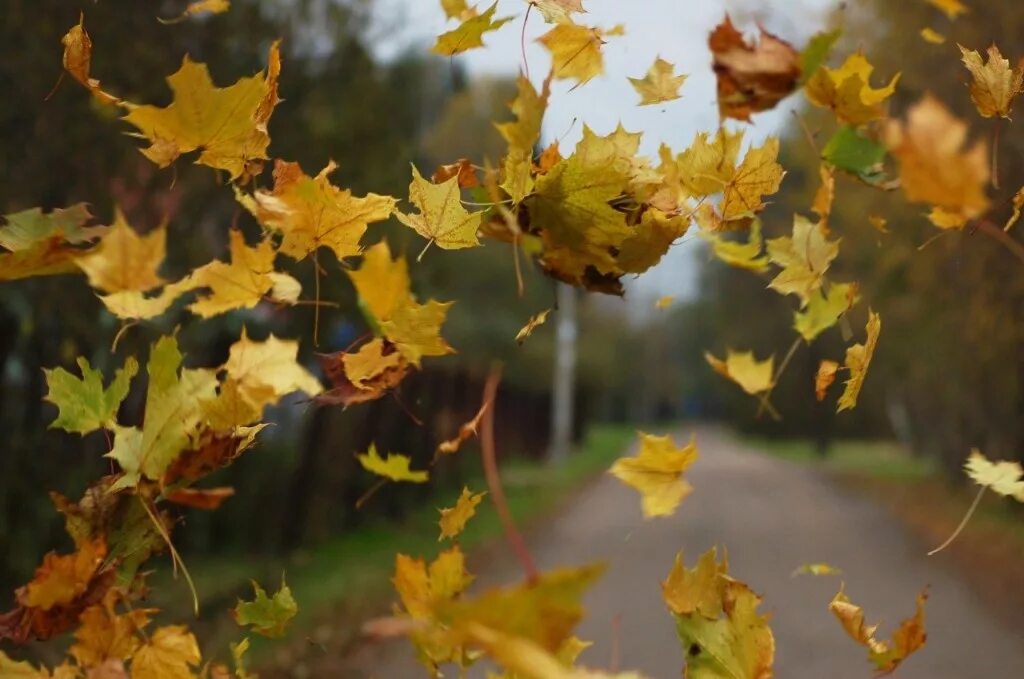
column 343, row 581
column 987, row 554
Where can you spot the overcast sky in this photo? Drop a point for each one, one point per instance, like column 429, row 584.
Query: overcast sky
column 676, row 30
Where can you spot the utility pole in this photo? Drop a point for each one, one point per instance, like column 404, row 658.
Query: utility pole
column 563, row 388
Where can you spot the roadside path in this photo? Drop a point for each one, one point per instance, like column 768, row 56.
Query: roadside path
column 772, row 515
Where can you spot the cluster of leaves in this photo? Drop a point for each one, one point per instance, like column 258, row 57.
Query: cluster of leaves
column 587, row 219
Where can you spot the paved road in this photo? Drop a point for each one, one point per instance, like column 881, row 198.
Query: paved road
column 772, row 516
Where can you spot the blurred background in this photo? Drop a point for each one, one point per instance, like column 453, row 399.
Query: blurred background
column 360, row 87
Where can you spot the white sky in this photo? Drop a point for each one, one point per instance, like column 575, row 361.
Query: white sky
column 676, row 30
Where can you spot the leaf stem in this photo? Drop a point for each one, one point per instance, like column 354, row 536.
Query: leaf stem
column 963, row 523
column 1006, row 240
column 176, row 559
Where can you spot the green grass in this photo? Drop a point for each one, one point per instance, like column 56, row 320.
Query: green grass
column 348, row 577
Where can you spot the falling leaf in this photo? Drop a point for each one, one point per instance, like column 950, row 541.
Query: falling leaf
column 1004, row 478
column 817, row 569
column 265, row 371
column 664, row 302
column 1018, row 206
column 995, row 84
column 852, row 152
column 63, row 578
column 816, row 52
column 455, row 9
column 535, row 322
column 858, row 358
column 932, row 36
column 659, row 85
column 169, row 653
column 395, row 467
column 886, row 656
column 311, row 212
column 84, row 404
column 462, row 169
column 200, row 7
column 558, row 11
column 470, row 33
column 706, row 167
column 825, row 195
column 879, row 223
column 453, row 520
column 441, row 219
column 847, row 91
column 382, row 283
column 200, row 498
column 717, row 622
column 422, row 588
column 823, row 310
column 228, row 125
column 744, row 255
column 415, row 330
column 104, row 634
column 757, row 176
column 752, row 375
column 466, row 432
column 267, row 615
column 804, row 258
column 751, row 77
column 951, row 8
column 522, row 135
column 576, row 51
column 365, row 366
column 824, row 378
column 657, row 473
column 124, row 260
column 78, row 60
column 934, row 168
column 364, row 375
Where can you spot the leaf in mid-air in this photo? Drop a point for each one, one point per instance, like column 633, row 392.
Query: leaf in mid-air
column 817, row 569
column 657, row 473
column 1003, row 477
column 824, row 378
column 453, row 520
column 852, row 152
column 365, row 366
column 759, row 175
column 124, row 260
column 311, row 212
column 742, row 254
column 469, row 34
column 84, row 404
column 934, row 167
column 823, row 310
column 78, row 60
column 698, row 589
column 170, row 652
column 522, row 135
column 467, row 431
column 753, row 376
column 847, row 91
column 576, row 50
column 198, row 7
column 441, row 219
column 706, row 167
column 805, row 257
column 61, row 579
column 995, row 84
column 263, row 372
column 394, row 467
column 532, row 324
column 104, row 635
column 816, row 52
column 267, row 615
column 557, row 11
column 382, row 283
column 951, row 8
column 227, row 125
column 886, row 656
column 415, row 330
column 661, row 84
column 751, row 78
column 858, row 358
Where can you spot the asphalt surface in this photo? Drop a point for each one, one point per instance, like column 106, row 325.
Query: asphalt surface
column 772, row 516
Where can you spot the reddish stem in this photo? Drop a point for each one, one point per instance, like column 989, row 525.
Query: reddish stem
column 1006, row 240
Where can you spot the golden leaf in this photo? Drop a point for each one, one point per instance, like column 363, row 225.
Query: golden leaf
column 441, row 218
column 951, row 8
column 466, row 431
column 823, row 311
column 63, row 578
column 858, row 358
column 535, row 322
column 753, row 376
column 657, row 473
column 1004, row 478
column 78, row 59
column 453, row 520
column 804, row 258
column 382, row 283
column 369, row 363
column 932, row 36
column 522, row 135
column 170, row 653
column 576, row 50
column 659, row 85
column 394, row 467
column 469, row 34
column 995, row 84
column 848, row 92
column 696, row 590
column 885, row 655
column 757, row 176
column 415, row 330
column 200, row 7
column 124, row 260
column 558, row 11
column 824, row 378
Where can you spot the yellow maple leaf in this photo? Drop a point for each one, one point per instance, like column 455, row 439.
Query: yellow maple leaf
column 823, row 310
column 698, row 589
column 78, row 60
column 228, row 125
column 243, row 282
column 104, row 634
column 1005, row 478
column 382, row 283
column 753, row 376
column 369, row 363
column 804, row 257
column 394, row 467
column 469, row 34
column 847, row 90
column 657, row 473
column 951, row 8
column 532, row 324
column 415, row 330
column 265, row 371
column 858, row 358
column 995, row 85
column 934, row 168
column 311, row 213
column 557, row 11
column 759, row 175
column 169, row 653
column 661, row 84
column 824, row 378
column 664, row 302
column 441, row 219
column 741, row 254
column 576, row 50
column 522, row 135
column 124, row 260
column 61, row 579
column 453, row 520
column 885, row 655
column 707, row 165
column 455, row 9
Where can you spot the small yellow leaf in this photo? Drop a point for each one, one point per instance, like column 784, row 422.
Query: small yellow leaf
column 576, row 51
column 395, row 467
column 200, row 7
column 558, row 11
column 466, row 432
column 659, row 85
column 415, row 330
column 1018, row 206
column 886, row 656
column 752, row 375
column 951, row 8
column 453, row 520
column 848, row 92
column 442, row 219
column 78, row 60
column 469, row 33
column 823, row 311
column 535, row 322
column 744, row 255
column 932, row 36
column 664, row 302
column 382, row 283
column 879, row 223
column 369, row 363
column 657, row 473
column 1004, row 478
column 816, row 569
column 858, row 358
column 696, row 590
column 824, row 378
column 995, row 84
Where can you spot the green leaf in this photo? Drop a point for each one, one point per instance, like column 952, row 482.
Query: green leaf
column 267, row 615
column 84, row 404
column 823, row 311
column 817, row 51
column 849, row 151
